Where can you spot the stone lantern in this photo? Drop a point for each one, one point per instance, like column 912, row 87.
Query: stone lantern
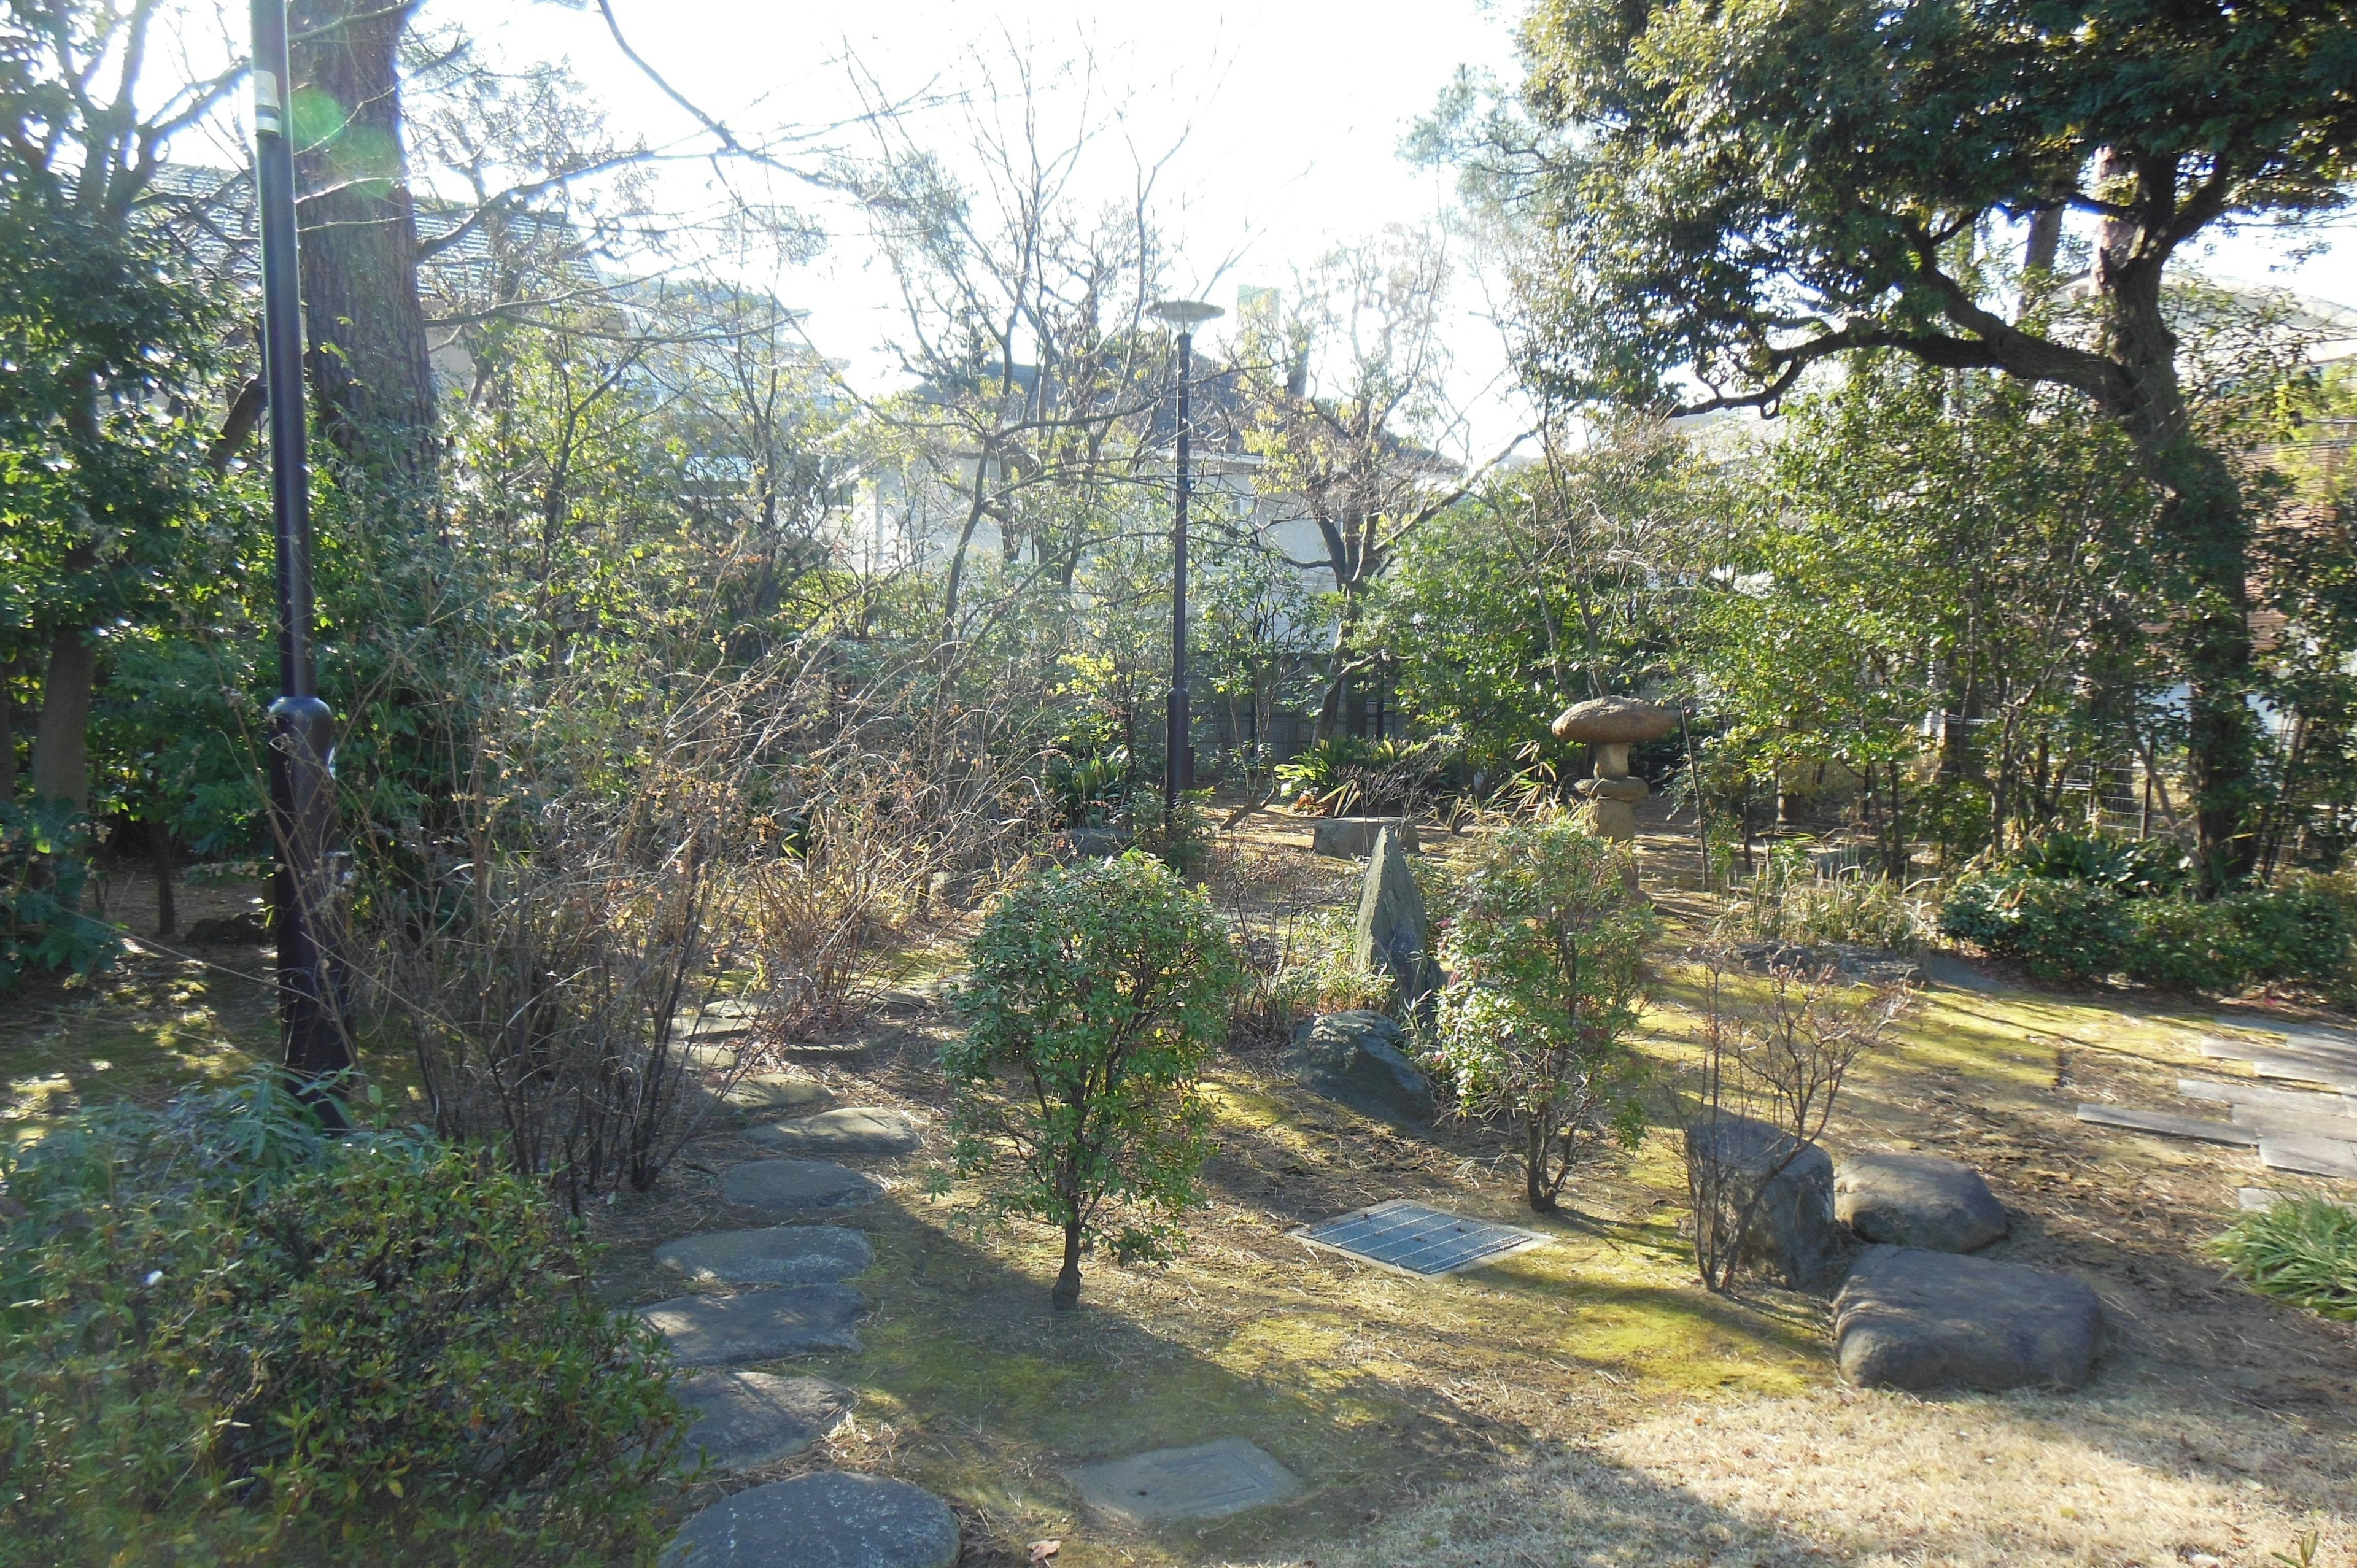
column 1613, row 724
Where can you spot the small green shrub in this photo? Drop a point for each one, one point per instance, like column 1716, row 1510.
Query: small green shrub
column 2133, row 868
column 2302, row 931
column 42, row 871
column 2300, row 1249
column 2262, row 933
column 1547, row 955
column 228, row 1341
column 1098, row 992
column 2063, row 929
column 1352, row 776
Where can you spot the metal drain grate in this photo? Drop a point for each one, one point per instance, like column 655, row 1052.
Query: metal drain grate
column 1419, row 1240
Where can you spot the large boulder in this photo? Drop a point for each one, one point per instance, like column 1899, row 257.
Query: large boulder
column 1358, row 1058
column 1917, row 1320
column 1392, row 934
column 1791, row 1231
column 1916, row 1200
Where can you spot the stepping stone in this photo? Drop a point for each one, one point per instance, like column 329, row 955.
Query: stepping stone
column 2255, row 1199
column 799, row 1187
column 1353, row 838
column 759, row 1325
column 1210, row 1480
column 1792, row 1229
column 780, row 1255
column 2308, row 1157
column 2170, row 1126
column 778, row 1092
column 830, row 1519
column 1916, row 1200
column 1912, row 1320
column 2299, row 1124
column 2331, row 1059
column 2299, row 1069
column 747, row 1420
column 2305, row 1100
column 854, row 1130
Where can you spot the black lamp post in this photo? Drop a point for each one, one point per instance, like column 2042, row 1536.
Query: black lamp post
column 1186, row 315
column 301, row 730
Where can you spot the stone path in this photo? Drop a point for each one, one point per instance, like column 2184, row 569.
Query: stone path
column 2170, row 1126
column 827, row 1520
column 747, row 1420
column 788, row 1187
column 759, row 1324
column 854, row 1130
column 1210, row 1480
column 780, row 1255
column 2312, row 1132
column 776, row 1091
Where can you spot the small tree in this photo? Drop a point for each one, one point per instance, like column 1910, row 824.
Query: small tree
column 1548, row 958
column 1098, row 991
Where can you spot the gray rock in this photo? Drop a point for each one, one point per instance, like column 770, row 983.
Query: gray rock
column 1093, row 843
column 776, row 1091
column 1912, row 1320
column 759, row 1325
column 1916, row 1200
column 1353, row 838
column 1357, row 1057
column 1392, row 934
column 780, row 1255
column 747, row 1420
column 854, row 1130
column 1210, row 1480
column 799, row 1187
column 829, row 1519
column 1792, row 1231
column 1865, row 965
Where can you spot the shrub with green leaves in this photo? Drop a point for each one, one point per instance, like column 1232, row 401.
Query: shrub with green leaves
column 2300, row 1249
column 1546, row 959
column 226, row 1339
column 42, row 871
column 1098, row 992
column 2133, row 868
column 2063, row 929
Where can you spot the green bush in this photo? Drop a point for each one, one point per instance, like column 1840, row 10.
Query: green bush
column 42, row 871
column 2300, row 1249
column 2301, row 931
column 2133, row 868
column 1098, row 992
column 2063, row 929
column 1546, row 954
column 2179, row 945
column 227, row 1340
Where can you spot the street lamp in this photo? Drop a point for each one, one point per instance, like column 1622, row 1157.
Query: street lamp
column 302, row 731
column 1185, row 314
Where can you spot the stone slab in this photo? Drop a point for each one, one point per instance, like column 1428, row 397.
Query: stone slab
column 2288, row 1030
column 747, row 1420
column 2310, row 1156
column 793, row 1092
column 829, row 1519
column 2332, row 1057
column 2254, row 1199
column 777, row 1255
column 759, row 1325
column 853, row 1129
column 2299, row 1124
column 1392, row 934
column 2170, row 1126
column 1913, row 1319
column 1917, row 1200
column 1353, row 838
column 799, row 1187
column 2299, row 1069
column 2254, row 1094
column 1210, row 1480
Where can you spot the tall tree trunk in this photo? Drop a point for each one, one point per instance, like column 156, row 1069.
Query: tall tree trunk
column 159, row 852
column 363, row 323
column 62, row 740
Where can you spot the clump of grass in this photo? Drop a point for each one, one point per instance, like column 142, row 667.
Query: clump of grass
column 2302, row 1251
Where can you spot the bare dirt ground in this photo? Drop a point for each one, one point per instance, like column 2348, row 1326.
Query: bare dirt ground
column 1583, row 1404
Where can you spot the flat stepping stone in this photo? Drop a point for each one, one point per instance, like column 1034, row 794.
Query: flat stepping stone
column 2305, row 1100
column 2266, row 1119
column 1917, row 1200
column 829, row 1519
column 2308, row 1157
column 1913, row 1319
column 780, row 1255
column 2255, row 1199
column 2299, row 1069
column 799, row 1187
column 854, row 1130
column 778, row 1092
column 2170, row 1126
column 1210, row 1480
column 747, row 1420
column 759, row 1325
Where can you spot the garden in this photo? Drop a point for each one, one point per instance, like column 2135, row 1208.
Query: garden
column 1656, row 869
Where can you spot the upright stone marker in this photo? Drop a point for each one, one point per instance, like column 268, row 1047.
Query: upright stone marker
column 1392, row 934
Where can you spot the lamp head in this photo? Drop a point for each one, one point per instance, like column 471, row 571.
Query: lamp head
column 1186, row 315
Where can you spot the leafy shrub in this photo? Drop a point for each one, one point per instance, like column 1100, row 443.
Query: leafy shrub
column 1788, row 901
column 1092, row 789
column 2298, row 932
column 2300, row 1249
column 2134, row 868
column 2063, row 929
column 41, row 877
column 1344, row 775
column 1098, row 992
column 226, row 1339
column 2179, row 945
column 1547, row 950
